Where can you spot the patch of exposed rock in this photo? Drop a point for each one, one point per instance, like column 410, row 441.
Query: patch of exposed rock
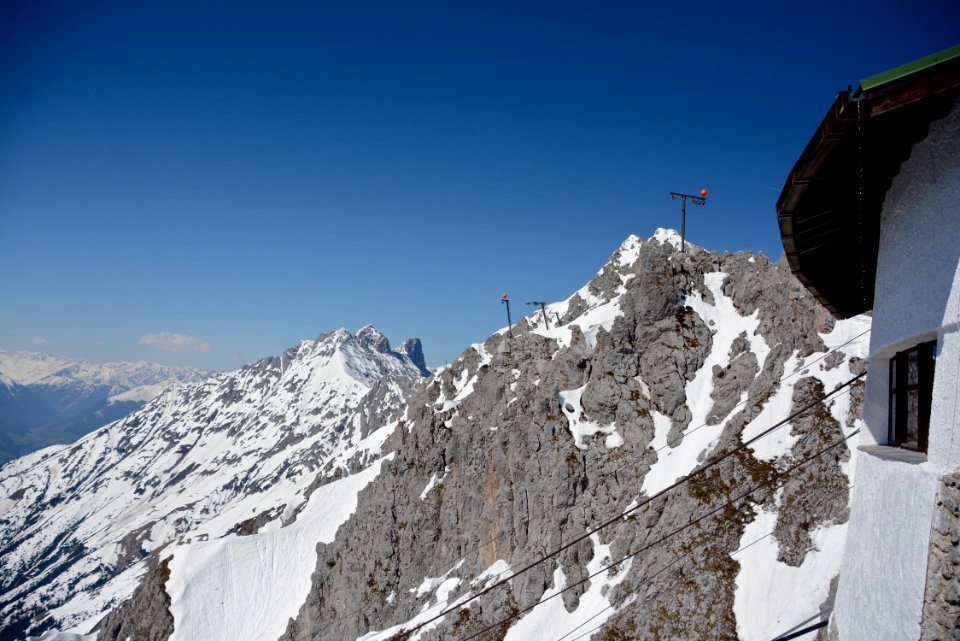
column 146, row 615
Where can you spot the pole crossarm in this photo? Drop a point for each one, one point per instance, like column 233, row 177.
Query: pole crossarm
column 543, row 310
column 504, row 300
column 696, row 200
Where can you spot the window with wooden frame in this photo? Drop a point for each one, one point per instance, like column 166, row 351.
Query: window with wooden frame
column 911, row 394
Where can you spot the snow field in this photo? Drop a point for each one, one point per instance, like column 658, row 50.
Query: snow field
column 246, row 588
column 772, row 597
column 580, row 428
column 209, row 472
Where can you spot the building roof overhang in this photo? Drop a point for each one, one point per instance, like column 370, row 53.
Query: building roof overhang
column 829, row 209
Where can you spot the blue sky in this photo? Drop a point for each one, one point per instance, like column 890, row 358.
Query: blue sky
column 245, row 175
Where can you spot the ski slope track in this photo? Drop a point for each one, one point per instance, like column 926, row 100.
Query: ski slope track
column 199, row 467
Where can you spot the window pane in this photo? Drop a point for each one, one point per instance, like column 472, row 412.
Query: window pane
column 912, row 440
column 911, row 391
column 892, row 436
column 913, row 368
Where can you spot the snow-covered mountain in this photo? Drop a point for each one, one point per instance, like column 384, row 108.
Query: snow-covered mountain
column 199, row 462
column 47, row 399
column 556, row 482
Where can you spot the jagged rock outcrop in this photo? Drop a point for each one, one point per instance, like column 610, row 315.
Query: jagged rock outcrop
column 660, row 363
column 147, row 615
column 413, row 349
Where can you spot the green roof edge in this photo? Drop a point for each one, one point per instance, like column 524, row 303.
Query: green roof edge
column 871, row 82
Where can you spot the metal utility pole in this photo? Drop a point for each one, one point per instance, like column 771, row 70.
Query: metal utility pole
column 696, row 200
column 542, row 309
column 504, row 299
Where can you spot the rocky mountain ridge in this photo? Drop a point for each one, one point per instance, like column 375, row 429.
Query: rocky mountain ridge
column 228, row 455
column 662, row 362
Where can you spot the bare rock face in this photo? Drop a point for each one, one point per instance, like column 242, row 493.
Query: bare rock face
column 820, row 494
column 413, row 349
column 524, row 443
column 146, row 616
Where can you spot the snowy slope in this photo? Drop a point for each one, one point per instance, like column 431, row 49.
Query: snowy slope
column 247, row 588
column 77, row 521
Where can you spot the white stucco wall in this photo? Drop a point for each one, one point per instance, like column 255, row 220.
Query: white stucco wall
column 880, row 593
column 918, row 271
column 920, row 239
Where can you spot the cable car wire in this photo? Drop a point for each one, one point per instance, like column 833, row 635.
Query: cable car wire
column 683, row 480
column 440, row 568
column 657, row 541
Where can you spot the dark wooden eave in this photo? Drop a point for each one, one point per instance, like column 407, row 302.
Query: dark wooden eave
column 829, row 209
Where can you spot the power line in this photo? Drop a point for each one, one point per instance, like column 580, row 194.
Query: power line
column 634, row 462
column 675, row 560
column 806, row 630
column 647, row 501
column 666, row 567
column 475, row 547
column 663, row 538
column 628, row 604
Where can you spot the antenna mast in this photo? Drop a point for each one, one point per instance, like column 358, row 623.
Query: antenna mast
column 696, row 200
column 504, row 299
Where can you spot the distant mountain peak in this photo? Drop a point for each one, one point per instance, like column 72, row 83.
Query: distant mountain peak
column 47, row 399
column 236, row 452
column 413, row 349
column 371, row 337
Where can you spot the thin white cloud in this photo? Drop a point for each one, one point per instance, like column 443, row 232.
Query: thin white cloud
column 173, row 342
column 38, row 340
